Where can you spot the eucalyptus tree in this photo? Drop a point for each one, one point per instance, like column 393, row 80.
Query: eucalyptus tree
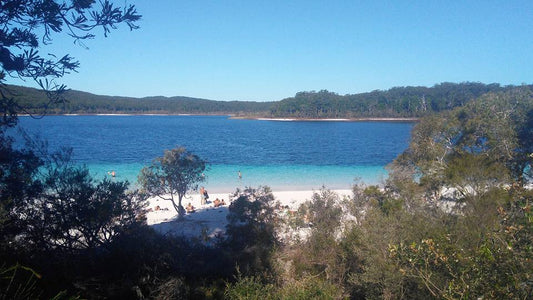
column 492, row 131
column 173, row 175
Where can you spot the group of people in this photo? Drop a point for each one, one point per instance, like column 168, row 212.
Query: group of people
column 203, row 201
column 219, row 202
column 203, row 196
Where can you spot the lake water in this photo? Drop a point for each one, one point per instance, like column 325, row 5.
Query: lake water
column 282, row 155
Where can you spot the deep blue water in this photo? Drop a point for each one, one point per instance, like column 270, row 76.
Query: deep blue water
column 284, row 155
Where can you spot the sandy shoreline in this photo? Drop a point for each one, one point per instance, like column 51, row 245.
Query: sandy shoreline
column 328, row 119
column 247, row 118
column 209, row 221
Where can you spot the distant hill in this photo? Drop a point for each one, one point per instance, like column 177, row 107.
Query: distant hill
column 397, row 102
column 78, row 102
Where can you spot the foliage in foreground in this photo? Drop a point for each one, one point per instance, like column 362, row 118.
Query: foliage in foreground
column 493, row 264
column 299, row 289
column 56, row 206
column 251, row 231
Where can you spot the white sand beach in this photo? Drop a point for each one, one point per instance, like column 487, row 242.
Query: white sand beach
column 209, row 221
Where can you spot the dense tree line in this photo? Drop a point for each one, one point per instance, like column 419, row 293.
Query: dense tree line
column 76, row 102
column 399, row 102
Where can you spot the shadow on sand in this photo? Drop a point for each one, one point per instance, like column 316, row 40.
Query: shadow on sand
column 206, row 223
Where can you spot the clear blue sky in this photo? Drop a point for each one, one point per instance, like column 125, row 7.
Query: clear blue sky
column 270, row 50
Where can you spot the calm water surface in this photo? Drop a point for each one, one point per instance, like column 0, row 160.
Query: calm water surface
column 283, row 155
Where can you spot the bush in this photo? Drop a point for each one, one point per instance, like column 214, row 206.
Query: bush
column 311, row 288
column 246, row 288
column 251, row 230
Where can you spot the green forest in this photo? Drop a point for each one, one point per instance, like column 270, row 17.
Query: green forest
column 36, row 101
column 398, row 102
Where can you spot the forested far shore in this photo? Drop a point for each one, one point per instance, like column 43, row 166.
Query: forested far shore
column 35, row 101
column 373, row 119
column 397, row 102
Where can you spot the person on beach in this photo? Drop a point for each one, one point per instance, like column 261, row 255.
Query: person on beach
column 240, row 175
column 216, row 203
column 189, row 208
column 202, row 195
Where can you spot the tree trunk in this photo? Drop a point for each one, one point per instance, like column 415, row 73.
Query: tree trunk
column 179, row 209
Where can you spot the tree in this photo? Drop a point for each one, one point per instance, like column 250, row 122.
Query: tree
column 490, row 132
column 175, row 174
column 476, row 251
column 57, row 206
column 18, row 184
column 26, row 24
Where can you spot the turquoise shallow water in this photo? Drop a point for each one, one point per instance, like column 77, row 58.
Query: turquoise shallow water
column 282, row 155
column 224, row 178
